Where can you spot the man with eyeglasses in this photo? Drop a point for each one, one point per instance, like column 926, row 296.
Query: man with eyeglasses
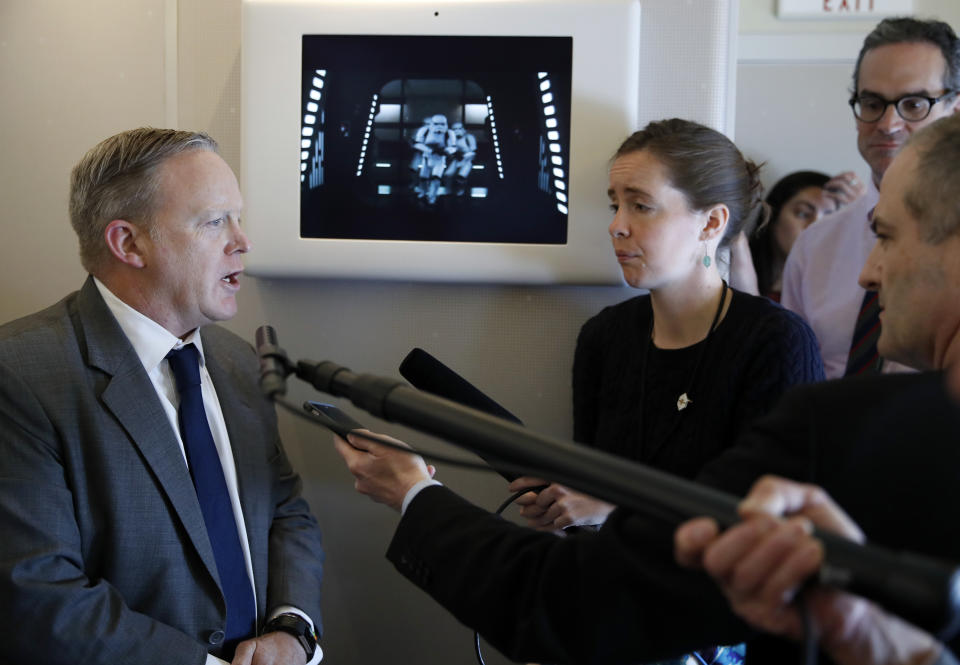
column 907, row 76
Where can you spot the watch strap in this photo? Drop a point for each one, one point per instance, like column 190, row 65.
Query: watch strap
column 298, row 627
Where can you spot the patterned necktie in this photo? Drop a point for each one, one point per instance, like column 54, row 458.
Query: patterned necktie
column 207, row 475
column 863, row 357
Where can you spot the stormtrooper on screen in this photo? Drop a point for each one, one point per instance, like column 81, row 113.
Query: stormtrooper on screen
column 435, row 142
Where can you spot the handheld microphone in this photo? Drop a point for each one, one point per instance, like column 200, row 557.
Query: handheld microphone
column 274, row 366
column 426, row 373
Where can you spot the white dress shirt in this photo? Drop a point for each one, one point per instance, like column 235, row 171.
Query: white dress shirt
column 415, row 490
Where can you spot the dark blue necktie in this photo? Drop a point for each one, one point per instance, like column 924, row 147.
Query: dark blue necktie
column 863, row 357
column 207, row 474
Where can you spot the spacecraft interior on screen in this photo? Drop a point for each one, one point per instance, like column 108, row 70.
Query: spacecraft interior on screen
column 435, row 138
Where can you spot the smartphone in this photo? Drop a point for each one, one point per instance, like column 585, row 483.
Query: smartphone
column 332, row 418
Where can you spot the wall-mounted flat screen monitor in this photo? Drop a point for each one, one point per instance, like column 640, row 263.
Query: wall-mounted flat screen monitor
column 459, row 140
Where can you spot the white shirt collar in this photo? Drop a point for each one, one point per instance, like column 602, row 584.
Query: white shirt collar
column 149, row 339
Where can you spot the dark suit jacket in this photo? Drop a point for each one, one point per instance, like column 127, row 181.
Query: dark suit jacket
column 104, row 557
column 885, row 448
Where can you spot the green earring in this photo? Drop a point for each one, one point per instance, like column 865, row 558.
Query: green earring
column 706, row 260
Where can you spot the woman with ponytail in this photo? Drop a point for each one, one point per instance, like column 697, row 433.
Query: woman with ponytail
column 670, row 378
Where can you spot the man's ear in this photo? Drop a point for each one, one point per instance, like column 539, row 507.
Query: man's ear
column 125, row 239
column 716, row 222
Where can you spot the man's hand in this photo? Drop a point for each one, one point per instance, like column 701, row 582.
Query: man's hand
column 762, row 563
column 384, row 474
column 557, row 507
column 277, row 648
column 843, row 189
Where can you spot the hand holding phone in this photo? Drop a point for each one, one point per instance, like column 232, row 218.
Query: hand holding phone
column 383, row 472
column 332, row 418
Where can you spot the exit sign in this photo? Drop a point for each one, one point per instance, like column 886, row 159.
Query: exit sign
column 841, row 9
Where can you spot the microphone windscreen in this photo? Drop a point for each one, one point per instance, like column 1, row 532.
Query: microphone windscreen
column 426, row 373
column 266, row 335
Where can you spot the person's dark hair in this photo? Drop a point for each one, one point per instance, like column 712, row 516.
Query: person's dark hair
column 933, row 195
column 910, row 30
column 117, row 179
column 763, row 247
column 705, row 165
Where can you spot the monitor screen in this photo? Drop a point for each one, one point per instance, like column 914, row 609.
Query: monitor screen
column 435, row 138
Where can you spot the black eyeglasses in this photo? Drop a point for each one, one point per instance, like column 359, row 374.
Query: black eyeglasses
column 912, row 108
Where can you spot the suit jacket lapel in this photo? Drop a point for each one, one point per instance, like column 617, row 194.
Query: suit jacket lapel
column 132, row 399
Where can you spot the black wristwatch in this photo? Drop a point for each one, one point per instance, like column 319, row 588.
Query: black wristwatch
column 294, row 624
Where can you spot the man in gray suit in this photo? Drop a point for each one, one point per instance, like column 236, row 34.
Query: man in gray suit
column 121, row 543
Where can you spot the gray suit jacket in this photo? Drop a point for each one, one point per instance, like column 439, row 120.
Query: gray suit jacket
column 104, row 557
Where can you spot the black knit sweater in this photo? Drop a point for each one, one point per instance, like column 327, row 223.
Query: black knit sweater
column 757, row 351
